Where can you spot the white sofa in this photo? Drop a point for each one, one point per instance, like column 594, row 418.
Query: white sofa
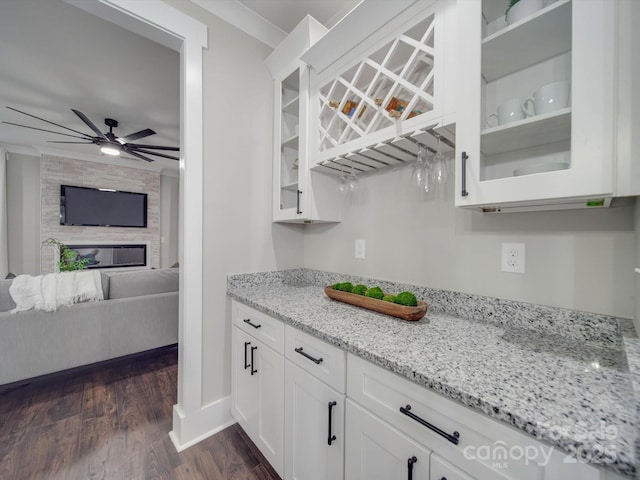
column 140, row 312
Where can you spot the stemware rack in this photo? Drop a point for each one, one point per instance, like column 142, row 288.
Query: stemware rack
column 399, row 150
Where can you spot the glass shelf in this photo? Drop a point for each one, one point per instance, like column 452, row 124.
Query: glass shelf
column 292, row 106
column 530, row 132
column 291, row 142
column 527, row 42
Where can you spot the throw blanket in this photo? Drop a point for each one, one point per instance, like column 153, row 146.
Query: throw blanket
column 48, row 292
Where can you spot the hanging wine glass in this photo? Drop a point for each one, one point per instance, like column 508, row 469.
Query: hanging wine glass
column 419, row 171
column 440, row 173
column 352, row 180
column 341, row 186
column 428, row 180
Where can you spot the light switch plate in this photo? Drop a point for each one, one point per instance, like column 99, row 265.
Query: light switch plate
column 360, row 249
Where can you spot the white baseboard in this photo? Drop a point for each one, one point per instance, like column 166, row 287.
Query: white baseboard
column 209, row 420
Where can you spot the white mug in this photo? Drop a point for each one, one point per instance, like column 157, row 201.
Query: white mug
column 509, row 111
column 549, row 98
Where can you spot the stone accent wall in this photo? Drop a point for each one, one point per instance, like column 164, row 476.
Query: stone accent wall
column 56, row 171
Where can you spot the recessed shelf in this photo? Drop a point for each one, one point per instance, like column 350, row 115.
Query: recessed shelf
column 530, row 132
column 292, row 106
column 291, row 142
column 544, row 35
column 292, row 187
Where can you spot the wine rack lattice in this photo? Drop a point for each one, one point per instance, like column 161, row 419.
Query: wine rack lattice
column 395, row 82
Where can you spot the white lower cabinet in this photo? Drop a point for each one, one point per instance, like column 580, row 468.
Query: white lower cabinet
column 257, row 400
column 452, row 431
column 464, row 444
column 316, row 413
column 314, row 427
column 376, row 451
column 314, row 405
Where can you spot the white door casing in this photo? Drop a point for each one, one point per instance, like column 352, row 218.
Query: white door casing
column 173, row 28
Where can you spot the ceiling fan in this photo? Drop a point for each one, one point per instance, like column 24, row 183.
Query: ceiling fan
column 109, row 143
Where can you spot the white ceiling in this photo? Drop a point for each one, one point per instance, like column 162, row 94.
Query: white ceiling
column 56, row 57
column 286, row 14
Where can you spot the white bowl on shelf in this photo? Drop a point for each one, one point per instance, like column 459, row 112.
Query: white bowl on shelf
column 540, row 168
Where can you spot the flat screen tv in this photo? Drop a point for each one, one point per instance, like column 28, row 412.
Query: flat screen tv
column 102, row 207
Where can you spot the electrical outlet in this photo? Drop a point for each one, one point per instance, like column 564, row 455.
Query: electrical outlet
column 513, row 257
column 360, row 245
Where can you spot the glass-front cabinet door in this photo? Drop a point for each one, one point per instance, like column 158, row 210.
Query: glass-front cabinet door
column 287, row 176
column 535, row 116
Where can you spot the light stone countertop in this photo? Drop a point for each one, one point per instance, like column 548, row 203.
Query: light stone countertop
column 536, row 381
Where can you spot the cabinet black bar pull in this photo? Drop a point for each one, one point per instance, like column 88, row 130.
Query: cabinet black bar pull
column 453, row 438
column 298, row 211
column 317, row 361
column 331, row 436
column 253, row 349
column 246, row 365
column 464, row 192
column 410, row 463
column 248, row 322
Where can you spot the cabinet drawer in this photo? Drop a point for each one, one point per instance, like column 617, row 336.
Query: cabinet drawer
column 323, row 361
column 261, row 326
column 385, row 393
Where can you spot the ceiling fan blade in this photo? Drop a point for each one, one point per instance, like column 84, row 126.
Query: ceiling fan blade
column 47, row 121
column 148, row 152
column 87, row 137
column 135, row 136
column 142, row 157
column 89, row 123
column 155, row 147
column 83, row 143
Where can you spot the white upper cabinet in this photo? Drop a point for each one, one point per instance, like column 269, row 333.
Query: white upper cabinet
column 298, row 195
column 536, row 104
column 386, row 93
column 628, row 105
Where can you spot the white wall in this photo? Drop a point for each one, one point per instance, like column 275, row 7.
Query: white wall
column 574, row 259
column 23, row 213
column 238, row 233
column 636, row 282
column 169, row 196
column 4, row 246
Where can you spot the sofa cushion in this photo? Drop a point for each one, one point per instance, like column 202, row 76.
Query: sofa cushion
column 6, row 302
column 143, row 282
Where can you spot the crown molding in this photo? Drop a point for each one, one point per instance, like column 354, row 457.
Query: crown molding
column 245, row 19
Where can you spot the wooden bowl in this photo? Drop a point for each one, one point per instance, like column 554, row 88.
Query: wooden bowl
column 380, row 306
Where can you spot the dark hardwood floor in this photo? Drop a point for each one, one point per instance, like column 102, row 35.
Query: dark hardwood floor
column 112, row 422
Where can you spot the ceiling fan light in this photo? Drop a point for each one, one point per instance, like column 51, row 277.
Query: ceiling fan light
column 110, row 150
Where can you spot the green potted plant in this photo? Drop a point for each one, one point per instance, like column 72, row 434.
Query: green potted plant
column 68, row 260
